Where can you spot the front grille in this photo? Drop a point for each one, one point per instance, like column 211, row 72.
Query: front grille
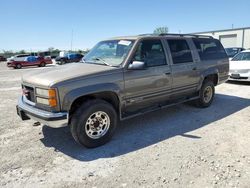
column 29, row 93
column 240, row 71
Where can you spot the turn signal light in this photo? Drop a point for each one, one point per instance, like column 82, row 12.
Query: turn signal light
column 52, row 102
column 52, row 93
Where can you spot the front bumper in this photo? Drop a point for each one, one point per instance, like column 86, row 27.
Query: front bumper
column 10, row 65
column 52, row 119
column 239, row 77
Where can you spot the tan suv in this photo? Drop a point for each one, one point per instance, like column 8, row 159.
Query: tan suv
column 121, row 78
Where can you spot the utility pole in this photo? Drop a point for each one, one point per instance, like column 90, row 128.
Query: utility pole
column 71, row 42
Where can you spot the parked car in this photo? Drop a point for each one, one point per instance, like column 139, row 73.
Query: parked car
column 20, row 62
column 240, row 67
column 69, row 58
column 2, row 58
column 122, row 78
column 231, row 52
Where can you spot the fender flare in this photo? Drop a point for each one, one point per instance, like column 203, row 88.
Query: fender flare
column 71, row 96
column 206, row 73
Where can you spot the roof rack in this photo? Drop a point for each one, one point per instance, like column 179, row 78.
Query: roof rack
column 185, row 35
column 179, row 35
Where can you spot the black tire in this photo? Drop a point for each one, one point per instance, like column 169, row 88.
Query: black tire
column 62, row 62
column 18, row 66
column 202, row 101
column 42, row 64
column 79, row 124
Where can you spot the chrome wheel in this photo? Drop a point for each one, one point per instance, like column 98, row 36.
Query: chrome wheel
column 97, row 125
column 208, row 94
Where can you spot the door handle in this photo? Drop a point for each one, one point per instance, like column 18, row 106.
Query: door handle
column 195, row 68
column 167, row 73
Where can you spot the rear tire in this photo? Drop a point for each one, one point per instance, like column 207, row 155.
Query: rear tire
column 206, row 94
column 93, row 123
column 18, row 66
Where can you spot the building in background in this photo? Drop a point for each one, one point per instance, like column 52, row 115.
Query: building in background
column 238, row 37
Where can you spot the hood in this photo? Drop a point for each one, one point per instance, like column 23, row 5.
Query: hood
column 49, row 76
column 239, row 65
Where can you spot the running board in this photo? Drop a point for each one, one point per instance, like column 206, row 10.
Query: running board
column 159, row 107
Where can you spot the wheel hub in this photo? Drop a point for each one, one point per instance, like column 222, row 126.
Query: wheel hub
column 97, row 124
column 208, row 93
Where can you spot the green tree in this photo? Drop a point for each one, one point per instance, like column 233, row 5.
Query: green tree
column 22, row 52
column 51, row 49
column 160, row 30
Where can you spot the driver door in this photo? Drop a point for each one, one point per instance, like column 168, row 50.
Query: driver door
column 152, row 85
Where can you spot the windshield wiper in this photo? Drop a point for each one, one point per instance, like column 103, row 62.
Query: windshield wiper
column 101, row 60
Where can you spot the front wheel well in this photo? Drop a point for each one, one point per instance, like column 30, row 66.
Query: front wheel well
column 110, row 97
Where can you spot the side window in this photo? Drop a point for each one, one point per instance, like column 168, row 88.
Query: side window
column 151, row 52
column 180, row 51
column 246, row 56
column 209, row 49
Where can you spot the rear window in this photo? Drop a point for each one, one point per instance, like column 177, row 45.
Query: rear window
column 23, row 55
column 209, row 49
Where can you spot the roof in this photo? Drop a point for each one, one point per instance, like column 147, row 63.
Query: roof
column 222, row 30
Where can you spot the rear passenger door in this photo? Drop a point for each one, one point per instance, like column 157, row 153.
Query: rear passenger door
column 184, row 68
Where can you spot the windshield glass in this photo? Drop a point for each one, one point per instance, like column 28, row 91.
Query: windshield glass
column 231, row 51
column 111, row 53
column 244, row 56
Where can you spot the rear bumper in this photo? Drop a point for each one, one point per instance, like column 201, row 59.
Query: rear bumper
column 223, row 79
column 26, row 111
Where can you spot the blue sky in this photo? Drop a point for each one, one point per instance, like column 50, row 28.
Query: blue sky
column 39, row 24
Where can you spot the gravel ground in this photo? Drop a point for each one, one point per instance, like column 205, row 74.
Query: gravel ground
column 181, row 146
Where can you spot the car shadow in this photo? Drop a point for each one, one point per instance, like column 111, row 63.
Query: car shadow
column 148, row 129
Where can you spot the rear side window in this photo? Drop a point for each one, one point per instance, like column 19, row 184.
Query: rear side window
column 209, row 49
column 180, row 51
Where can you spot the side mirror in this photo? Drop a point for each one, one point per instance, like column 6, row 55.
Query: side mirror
column 137, row 65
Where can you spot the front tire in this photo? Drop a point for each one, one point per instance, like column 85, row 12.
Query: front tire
column 206, row 94
column 42, row 64
column 93, row 123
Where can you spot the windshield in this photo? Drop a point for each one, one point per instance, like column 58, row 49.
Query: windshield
column 243, row 56
column 232, row 51
column 111, row 53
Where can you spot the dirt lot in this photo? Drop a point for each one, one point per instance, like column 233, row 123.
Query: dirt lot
column 182, row 146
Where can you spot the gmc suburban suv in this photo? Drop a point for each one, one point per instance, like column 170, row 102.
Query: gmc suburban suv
column 121, row 78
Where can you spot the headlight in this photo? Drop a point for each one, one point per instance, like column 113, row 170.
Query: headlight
column 46, row 97
column 42, row 92
column 42, row 101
